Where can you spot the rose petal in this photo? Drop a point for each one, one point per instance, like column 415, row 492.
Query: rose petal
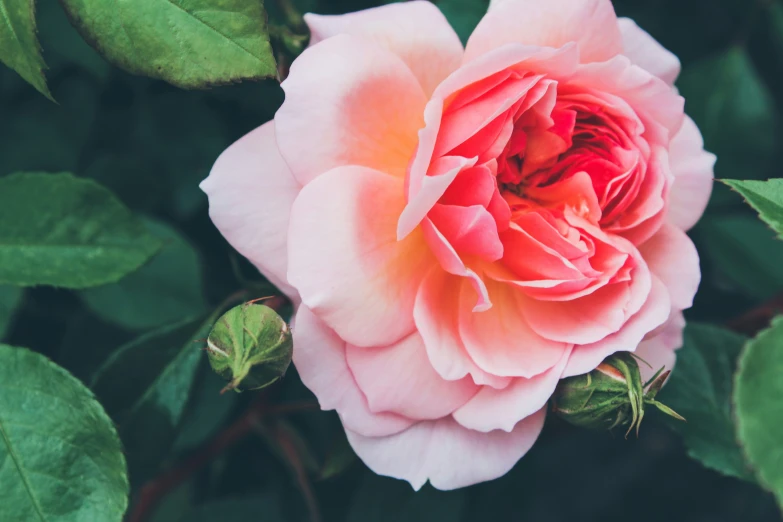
column 436, row 314
column 400, row 379
column 659, row 350
column 450, row 261
column 671, row 256
column 592, row 317
column 499, row 340
column 653, row 314
column 251, row 192
column 647, row 53
column 345, row 260
column 421, row 196
column 428, row 449
column 553, row 23
column 415, row 31
column 349, row 102
column 470, row 230
column 319, row 357
column 654, row 101
column 492, row 409
column 692, row 167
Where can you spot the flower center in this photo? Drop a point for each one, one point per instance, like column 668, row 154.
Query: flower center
column 576, row 137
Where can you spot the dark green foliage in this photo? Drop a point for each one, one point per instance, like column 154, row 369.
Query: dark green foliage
column 60, row 457
column 140, row 141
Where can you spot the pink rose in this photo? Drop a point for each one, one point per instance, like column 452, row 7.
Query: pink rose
column 465, row 227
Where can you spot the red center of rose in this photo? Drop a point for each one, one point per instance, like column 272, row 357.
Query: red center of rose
column 579, row 138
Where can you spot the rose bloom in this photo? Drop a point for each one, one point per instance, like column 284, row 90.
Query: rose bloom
column 460, row 228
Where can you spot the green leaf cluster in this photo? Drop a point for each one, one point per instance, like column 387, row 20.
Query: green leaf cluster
column 112, row 275
column 192, row 44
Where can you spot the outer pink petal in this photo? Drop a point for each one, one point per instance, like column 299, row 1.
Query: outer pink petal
column 436, row 314
column 647, row 53
column 492, row 409
column 445, row 453
column 500, row 341
column 251, row 192
column 671, row 256
column 692, row 167
column 349, row 101
column 659, row 350
column 415, row 31
column 319, row 356
column 400, row 379
column 552, row 23
column 345, row 260
column 652, row 315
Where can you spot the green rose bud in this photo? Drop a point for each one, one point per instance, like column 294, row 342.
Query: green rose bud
column 250, row 346
column 611, row 395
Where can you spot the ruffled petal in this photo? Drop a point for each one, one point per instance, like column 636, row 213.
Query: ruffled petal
column 492, row 409
column 415, row 31
column 499, row 340
column 349, row 102
column 319, row 357
column 659, row 350
column 251, row 192
column 671, row 256
column 652, row 315
column 345, row 260
column 647, row 53
column 692, row 167
column 400, row 379
column 436, row 314
column 553, row 23
column 428, row 449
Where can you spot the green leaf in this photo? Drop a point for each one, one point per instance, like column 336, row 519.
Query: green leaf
column 10, row 297
column 188, row 43
column 463, row 15
column 382, row 499
column 145, row 386
column 699, row 389
column 766, row 197
column 745, row 252
column 165, row 290
column 734, row 111
column 264, row 508
column 56, row 229
column 19, row 48
column 60, row 457
column 758, row 398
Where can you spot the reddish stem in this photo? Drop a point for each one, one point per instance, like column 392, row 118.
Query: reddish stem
column 300, row 474
column 757, row 319
column 154, row 491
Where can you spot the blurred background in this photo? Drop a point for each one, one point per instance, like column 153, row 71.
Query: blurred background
column 152, row 144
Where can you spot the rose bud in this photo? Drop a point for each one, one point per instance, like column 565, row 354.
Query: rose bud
column 611, row 395
column 250, row 346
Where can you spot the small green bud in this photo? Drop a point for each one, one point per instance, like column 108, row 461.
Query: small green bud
column 250, row 346
column 611, row 395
